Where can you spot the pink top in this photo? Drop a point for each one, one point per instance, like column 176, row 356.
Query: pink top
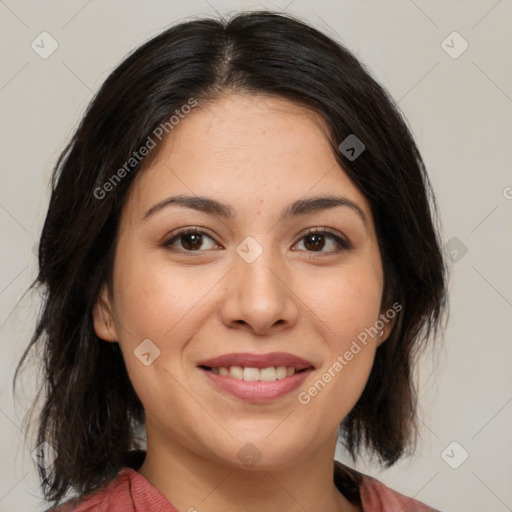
column 131, row 492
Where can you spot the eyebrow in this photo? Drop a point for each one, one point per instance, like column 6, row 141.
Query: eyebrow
column 297, row 208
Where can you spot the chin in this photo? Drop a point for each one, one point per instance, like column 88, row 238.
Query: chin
column 260, row 452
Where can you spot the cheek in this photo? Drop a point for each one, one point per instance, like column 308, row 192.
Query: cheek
column 156, row 301
column 347, row 300
column 347, row 306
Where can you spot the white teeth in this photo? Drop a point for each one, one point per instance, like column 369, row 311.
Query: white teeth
column 237, row 372
column 252, row 374
column 281, row 372
column 268, row 373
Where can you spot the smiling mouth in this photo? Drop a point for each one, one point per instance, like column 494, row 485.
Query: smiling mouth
column 256, row 377
column 251, row 374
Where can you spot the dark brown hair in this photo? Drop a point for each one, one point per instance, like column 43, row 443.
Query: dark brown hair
column 91, row 412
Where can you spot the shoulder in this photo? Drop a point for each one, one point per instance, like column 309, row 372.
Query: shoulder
column 371, row 494
column 129, row 491
column 377, row 497
column 113, row 496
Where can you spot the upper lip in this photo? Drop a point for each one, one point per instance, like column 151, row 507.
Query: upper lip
column 251, row 360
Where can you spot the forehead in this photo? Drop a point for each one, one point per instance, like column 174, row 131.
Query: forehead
column 250, row 151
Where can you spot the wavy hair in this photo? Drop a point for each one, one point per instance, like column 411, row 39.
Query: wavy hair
column 91, row 413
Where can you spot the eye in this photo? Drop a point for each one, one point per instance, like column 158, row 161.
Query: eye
column 315, row 240
column 191, row 239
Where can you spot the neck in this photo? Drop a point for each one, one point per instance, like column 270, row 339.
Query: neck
column 192, row 482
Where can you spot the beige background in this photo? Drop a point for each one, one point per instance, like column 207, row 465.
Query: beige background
column 460, row 110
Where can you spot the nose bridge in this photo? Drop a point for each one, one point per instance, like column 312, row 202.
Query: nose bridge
column 258, row 266
column 258, row 294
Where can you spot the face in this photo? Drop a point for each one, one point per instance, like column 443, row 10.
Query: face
column 249, row 326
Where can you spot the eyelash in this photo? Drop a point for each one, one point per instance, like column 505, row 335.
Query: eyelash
column 342, row 243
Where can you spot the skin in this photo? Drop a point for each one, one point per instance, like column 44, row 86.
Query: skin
column 257, row 154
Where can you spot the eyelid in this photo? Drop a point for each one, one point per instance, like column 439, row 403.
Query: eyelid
column 340, row 239
column 173, row 235
column 343, row 240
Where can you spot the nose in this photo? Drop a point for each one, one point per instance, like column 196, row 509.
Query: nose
column 258, row 296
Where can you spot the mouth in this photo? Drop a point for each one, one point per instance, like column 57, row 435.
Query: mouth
column 251, row 374
column 255, row 377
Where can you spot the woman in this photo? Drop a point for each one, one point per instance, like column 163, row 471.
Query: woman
column 240, row 264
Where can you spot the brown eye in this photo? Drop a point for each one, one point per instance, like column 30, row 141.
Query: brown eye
column 314, row 242
column 317, row 240
column 190, row 240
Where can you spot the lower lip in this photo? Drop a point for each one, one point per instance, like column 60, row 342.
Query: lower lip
column 257, row 391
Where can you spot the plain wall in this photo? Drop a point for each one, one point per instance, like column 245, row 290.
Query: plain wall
column 460, row 111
